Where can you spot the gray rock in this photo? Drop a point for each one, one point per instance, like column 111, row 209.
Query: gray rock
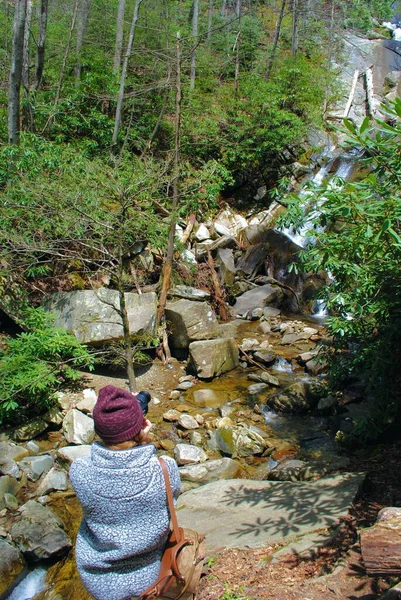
column 188, row 422
column 185, row 385
column 212, row 358
column 229, row 222
column 266, row 358
column 10, row 451
column 91, row 315
column 55, row 479
column 243, row 513
column 12, row 567
column 256, row 314
column 326, row 405
column 270, row 311
column 9, row 467
column 190, row 321
column 54, row 416
column 39, row 534
column 296, row 398
column 225, row 263
column 35, row 466
column 87, row 404
column 257, row 298
column 71, row 453
column 393, row 594
column 171, row 415
column 8, row 485
column 249, row 344
column 264, row 327
column 186, row 454
column 30, row 430
column 211, row 470
column 291, row 470
column 195, row 438
column 32, row 447
column 257, row 388
column 189, row 293
column 78, row 428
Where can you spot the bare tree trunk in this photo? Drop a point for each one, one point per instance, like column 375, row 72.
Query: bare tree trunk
column 128, row 352
column 14, row 89
column 25, row 54
column 66, row 53
column 82, row 25
column 27, row 109
column 119, row 36
column 223, row 8
column 210, row 21
column 238, row 43
column 295, row 19
column 170, row 246
column 276, row 39
column 40, row 56
column 120, row 98
column 195, row 18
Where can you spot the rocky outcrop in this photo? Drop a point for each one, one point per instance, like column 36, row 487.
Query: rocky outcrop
column 92, row 315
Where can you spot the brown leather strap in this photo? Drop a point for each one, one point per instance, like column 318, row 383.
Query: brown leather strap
column 170, row 500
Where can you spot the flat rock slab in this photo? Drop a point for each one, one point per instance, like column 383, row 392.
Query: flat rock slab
column 243, row 513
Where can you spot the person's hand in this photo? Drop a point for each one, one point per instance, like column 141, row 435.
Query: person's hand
column 147, row 426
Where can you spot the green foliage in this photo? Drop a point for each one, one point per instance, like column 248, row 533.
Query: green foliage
column 35, row 364
column 361, row 15
column 357, row 239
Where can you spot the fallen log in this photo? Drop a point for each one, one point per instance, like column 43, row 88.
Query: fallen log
column 351, row 95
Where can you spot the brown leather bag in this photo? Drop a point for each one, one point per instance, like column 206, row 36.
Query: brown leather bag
column 182, row 559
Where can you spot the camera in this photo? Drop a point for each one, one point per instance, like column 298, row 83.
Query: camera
column 144, row 398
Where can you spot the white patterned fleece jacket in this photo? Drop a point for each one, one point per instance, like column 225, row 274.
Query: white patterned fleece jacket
column 126, row 519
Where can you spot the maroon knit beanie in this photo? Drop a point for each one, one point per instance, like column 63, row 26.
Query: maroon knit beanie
column 117, row 414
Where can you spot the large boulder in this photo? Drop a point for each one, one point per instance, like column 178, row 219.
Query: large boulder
column 211, row 358
column 12, row 566
column 190, row 321
column 40, row 535
column 92, row 315
column 258, row 297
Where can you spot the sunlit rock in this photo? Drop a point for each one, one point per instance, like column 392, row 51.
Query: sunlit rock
column 211, row 358
column 187, row 454
column 78, row 428
column 190, row 321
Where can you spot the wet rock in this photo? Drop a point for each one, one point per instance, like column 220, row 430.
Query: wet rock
column 257, row 388
column 71, row 453
column 78, row 428
column 326, row 405
column 211, row 470
column 257, row 298
column 30, row 430
column 9, row 467
column 270, row 311
column 188, row 422
column 175, row 394
column 249, row 344
column 8, row 485
column 185, row 385
column 212, row 358
column 267, row 358
column 167, row 445
column 11, row 451
column 256, row 314
column 226, row 410
column 35, row 466
column 186, row 454
column 12, row 566
column 92, row 315
column 239, row 441
column 294, row 399
column 264, row 377
column 190, row 321
column 39, row 534
column 171, row 415
column 55, row 479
